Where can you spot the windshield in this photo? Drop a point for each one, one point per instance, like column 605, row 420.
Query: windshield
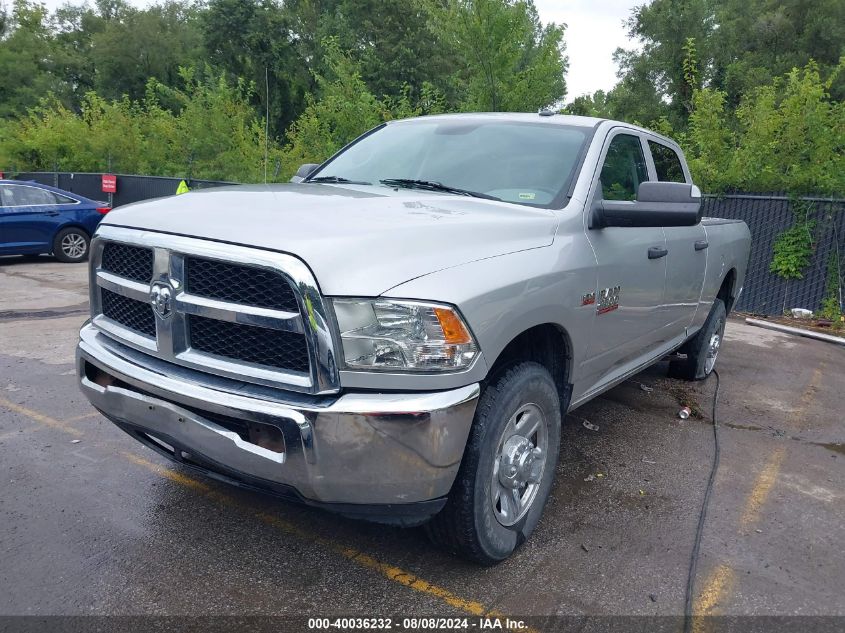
column 521, row 162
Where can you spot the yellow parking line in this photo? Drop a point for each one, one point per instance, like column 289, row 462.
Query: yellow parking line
column 46, row 420
column 84, row 416
column 395, row 574
column 762, row 487
column 8, row 435
column 719, row 584
column 722, row 579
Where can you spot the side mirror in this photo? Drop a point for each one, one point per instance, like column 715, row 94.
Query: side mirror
column 304, row 171
column 657, row 204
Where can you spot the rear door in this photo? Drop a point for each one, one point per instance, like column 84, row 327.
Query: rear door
column 687, row 246
column 628, row 298
column 31, row 217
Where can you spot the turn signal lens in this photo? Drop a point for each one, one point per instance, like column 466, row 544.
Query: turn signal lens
column 453, row 329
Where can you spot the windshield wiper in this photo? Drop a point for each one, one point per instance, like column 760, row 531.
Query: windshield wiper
column 432, row 185
column 338, row 180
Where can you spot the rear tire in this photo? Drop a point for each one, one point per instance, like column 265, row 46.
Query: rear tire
column 507, row 470
column 71, row 245
column 703, row 348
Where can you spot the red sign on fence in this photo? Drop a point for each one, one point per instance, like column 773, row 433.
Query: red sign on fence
column 109, row 183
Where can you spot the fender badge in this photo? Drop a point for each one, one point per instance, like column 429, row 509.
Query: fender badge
column 608, row 299
column 588, row 299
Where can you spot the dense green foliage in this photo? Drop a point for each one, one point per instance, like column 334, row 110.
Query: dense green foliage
column 212, row 133
column 184, row 88
column 753, row 89
column 738, row 45
column 785, row 136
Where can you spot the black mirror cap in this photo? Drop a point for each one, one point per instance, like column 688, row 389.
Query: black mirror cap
column 304, row 171
column 658, row 204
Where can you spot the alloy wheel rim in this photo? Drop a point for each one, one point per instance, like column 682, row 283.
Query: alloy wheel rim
column 73, row 245
column 519, row 464
column 713, row 346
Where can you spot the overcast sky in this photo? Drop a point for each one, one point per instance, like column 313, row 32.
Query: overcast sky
column 594, row 31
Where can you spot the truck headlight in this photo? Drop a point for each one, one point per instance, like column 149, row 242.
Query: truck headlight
column 390, row 335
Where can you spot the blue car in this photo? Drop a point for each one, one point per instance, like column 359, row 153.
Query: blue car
column 37, row 219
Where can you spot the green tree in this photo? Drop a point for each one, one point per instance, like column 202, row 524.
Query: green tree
column 128, row 46
column 508, row 60
column 739, row 45
column 252, row 39
column 216, row 134
column 654, row 78
column 759, row 40
column 26, row 46
column 786, row 136
column 393, row 41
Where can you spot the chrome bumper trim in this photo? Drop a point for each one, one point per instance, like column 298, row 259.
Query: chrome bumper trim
column 358, row 448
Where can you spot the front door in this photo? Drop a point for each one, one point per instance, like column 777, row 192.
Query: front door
column 631, row 272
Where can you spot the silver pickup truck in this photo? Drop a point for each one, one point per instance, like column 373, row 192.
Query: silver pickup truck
column 399, row 333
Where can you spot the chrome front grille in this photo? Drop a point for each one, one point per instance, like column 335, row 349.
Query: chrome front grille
column 127, row 261
column 242, row 313
column 273, row 348
column 135, row 315
column 238, row 284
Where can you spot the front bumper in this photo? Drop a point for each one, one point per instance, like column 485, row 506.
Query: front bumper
column 369, row 454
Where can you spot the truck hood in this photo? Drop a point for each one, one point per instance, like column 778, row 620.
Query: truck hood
column 358, row 241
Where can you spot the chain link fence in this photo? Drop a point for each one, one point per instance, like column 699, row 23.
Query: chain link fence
column 767, row 216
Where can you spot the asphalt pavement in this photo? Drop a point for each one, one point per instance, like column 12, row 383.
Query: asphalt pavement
column 93, row 523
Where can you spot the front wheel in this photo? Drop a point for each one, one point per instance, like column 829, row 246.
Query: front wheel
column 71, row 245
column 507, row 470
column 703, row 348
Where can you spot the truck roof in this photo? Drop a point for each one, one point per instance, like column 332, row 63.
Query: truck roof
column 547, row 117
column 544, row 117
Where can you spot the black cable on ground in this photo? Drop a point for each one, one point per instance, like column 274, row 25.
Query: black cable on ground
column 703, row 516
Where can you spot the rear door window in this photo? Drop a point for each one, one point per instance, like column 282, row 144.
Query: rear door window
column 60, row 199
column 624, row 168
column 667, row 163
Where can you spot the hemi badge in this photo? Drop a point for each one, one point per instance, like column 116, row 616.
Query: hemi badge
column 588, row 299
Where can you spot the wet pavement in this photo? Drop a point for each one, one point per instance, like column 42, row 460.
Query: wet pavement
column 94, row 523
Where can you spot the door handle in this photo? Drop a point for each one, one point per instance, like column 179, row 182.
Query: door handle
column 656, row 252
column 53, row 213
column 700, row 245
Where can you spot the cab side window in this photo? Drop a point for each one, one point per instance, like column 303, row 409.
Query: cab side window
column 624, row 168
column 667, row 163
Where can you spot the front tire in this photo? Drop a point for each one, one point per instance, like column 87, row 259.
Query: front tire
column 703, row 348
column 71, row 245
column 507, row 470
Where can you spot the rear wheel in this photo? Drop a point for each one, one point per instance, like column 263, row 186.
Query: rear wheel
column 507, row 470
column 703, row 348
column 71, row 245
